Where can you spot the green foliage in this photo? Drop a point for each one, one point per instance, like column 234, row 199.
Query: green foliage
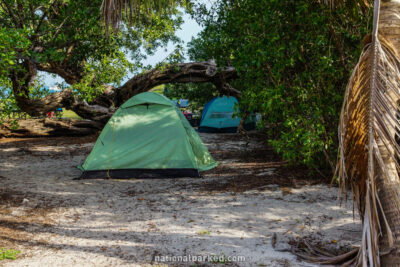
column 159, row 89
column 10, row 254
column 7, row 102
column 197, row 94
column 107, row 70
column 70, row 114
column 294, row 59
column 203, row 232
column 13, row 44
column 69, row 38
column 14, row 124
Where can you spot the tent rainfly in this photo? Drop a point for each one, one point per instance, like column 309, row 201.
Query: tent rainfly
column 218, row 117
column 147, row 137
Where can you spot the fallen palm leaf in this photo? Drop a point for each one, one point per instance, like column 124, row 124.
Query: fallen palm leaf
column 368, row 150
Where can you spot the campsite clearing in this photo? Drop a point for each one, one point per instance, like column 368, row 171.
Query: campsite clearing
column 243, row 207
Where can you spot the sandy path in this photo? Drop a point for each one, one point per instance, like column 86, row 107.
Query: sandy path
column 56, row 221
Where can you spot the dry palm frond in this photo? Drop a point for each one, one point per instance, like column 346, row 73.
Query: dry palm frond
column 367, row 130
column 115, row 11
column 334, row 3
column 310, row 253
column 368, row 149
column 361, row 5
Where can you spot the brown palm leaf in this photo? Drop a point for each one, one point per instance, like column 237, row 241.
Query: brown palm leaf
column 115, row 11
column 363, row 4
column 368, row 150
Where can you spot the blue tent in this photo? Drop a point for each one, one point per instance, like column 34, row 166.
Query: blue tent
column 183, row 103
column 218, row 117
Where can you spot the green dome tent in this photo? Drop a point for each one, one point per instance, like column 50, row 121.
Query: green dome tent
column 147, row 137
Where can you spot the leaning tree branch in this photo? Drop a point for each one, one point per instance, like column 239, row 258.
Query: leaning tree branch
column 105, row 105
column 70, row 75
column 192, row 72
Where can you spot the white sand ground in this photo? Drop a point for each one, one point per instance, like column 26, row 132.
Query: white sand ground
column 56, row 221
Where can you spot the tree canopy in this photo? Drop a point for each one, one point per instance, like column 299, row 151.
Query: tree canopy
column 67, row 38
column 293, row 59
column 70, row 39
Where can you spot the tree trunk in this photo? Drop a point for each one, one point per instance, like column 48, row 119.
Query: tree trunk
column 240, row 128
column 389, row 28
column 49, row 127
